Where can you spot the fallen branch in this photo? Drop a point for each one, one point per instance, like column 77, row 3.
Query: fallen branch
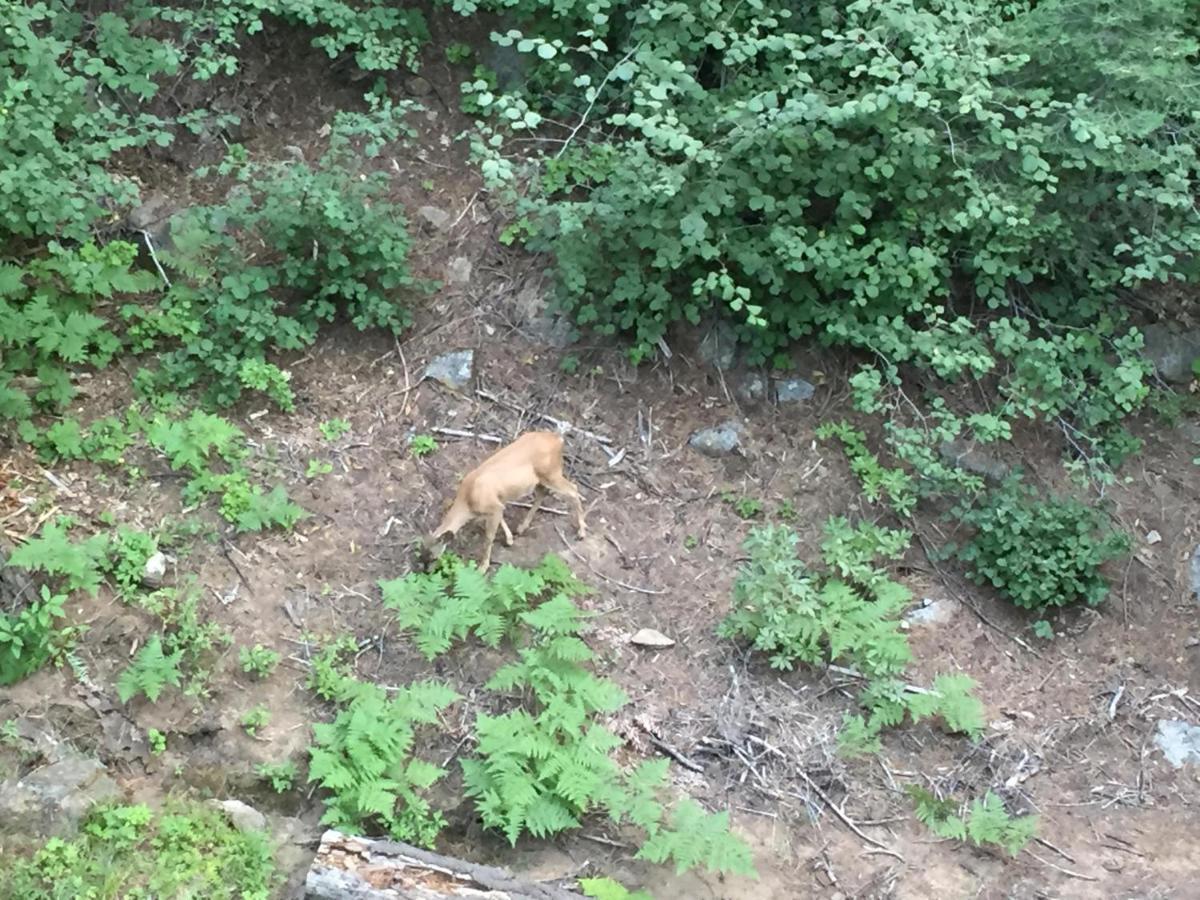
column 366, row 869
column 598, row 574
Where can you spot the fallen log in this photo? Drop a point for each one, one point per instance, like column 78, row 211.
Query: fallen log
column 356, row 868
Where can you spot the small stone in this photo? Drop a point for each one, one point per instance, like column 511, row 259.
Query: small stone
column 1179, row 742
column 154, row 571
column 932, row 612
column 452, row 369
column 436, row 217
column 794, row 390
column 1189, row 431
column 648, row 637
column 1001, row 725
column 1192, row 642
column 1153, row 537
column 719, row 347
column 294, row 152
column 458, row 271
column 718, row 441
column 241, row 816
column 418, row 86
column 963, row 455
column 752, row 388
column 1171, row 352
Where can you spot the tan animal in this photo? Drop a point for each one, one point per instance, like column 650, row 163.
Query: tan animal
column 533, row 462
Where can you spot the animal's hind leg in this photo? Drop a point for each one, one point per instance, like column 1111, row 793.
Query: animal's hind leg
column 539, row 494
column 494, row 520
column 566, row 488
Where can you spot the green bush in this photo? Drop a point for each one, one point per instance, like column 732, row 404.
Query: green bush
column 27, row 638
column 834, row 166
column 1040, row 552
column 128, row 851
column 291, row 248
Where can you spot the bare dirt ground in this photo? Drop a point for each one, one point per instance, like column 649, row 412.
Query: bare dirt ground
column 1072, row 719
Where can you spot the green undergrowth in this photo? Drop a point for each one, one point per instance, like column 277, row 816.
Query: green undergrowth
column 543, row 759
column 846, row 613
column 123, row 852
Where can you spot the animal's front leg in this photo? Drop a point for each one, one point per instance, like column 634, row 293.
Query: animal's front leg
column 494, row 520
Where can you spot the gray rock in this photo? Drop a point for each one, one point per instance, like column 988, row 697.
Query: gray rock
column 1189, row 431
column 965, row 456
column 294, row 151
column 51, row 801
column 452, row 369
column 153, row 216
column 752, row 388
column 719, row 347
column 794, row 390
column 932, row 612
column 1171, row 352
column 1195, row 572
column 458, row 271
column 244, row 818
column 154, row 571
column 718, row 441
column 436, row 217
column 1179, row 742
column 418, row 86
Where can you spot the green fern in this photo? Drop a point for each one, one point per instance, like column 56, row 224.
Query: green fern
column 80, row 563
column 987, row 823
column 150, row 672
column 364, row 758
column 28, row 638
column 698, row 838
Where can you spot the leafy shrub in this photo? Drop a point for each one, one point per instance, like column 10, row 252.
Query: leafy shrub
column 79, row 564
column 834, row 166
column 878, row 481
column 128, row 851
column 1040, row 552
column 291, row 247
column 987, row 822
column 846, row 615
column 128, row 552
column 282, row 776
column 256, row 718
column 27, row 638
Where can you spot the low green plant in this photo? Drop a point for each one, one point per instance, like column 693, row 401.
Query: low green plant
column 77, row 564
column 986, row 823
column 157, row 741
column 878, row 481
column 332, row 429
column 785, row 511
column 30, row 637
column 745, row 507
column 1043, row 629
column 190, row 850
column 317, row 467
column 258, row 660
column 282, row 776
column 847, row 614
column 128, row 552
column 1040, row 551
column 150, row 671
column 422, row 445
column 188, row 635
column 690, row 542
column 569, row 364
column 255, row 718
column 457, row 52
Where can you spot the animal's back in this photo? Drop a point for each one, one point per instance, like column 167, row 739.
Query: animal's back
column 540, row 449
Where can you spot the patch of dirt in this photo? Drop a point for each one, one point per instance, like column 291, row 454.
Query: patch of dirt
column 1071, row 720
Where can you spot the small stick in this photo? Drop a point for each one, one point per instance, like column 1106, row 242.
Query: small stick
column 455, row 432
column 225, row 548
column 671, row 751
column 1061, row 852
column 1046, row 862
column 470, row 203
column 1112, row 707
column 154, row 257
column 845, row 819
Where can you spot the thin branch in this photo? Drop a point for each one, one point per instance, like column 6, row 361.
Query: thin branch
column 587, row 112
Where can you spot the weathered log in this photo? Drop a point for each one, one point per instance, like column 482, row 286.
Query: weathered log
column 355, row 868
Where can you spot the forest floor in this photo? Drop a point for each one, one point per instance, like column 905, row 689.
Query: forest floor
column 1071, row 721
